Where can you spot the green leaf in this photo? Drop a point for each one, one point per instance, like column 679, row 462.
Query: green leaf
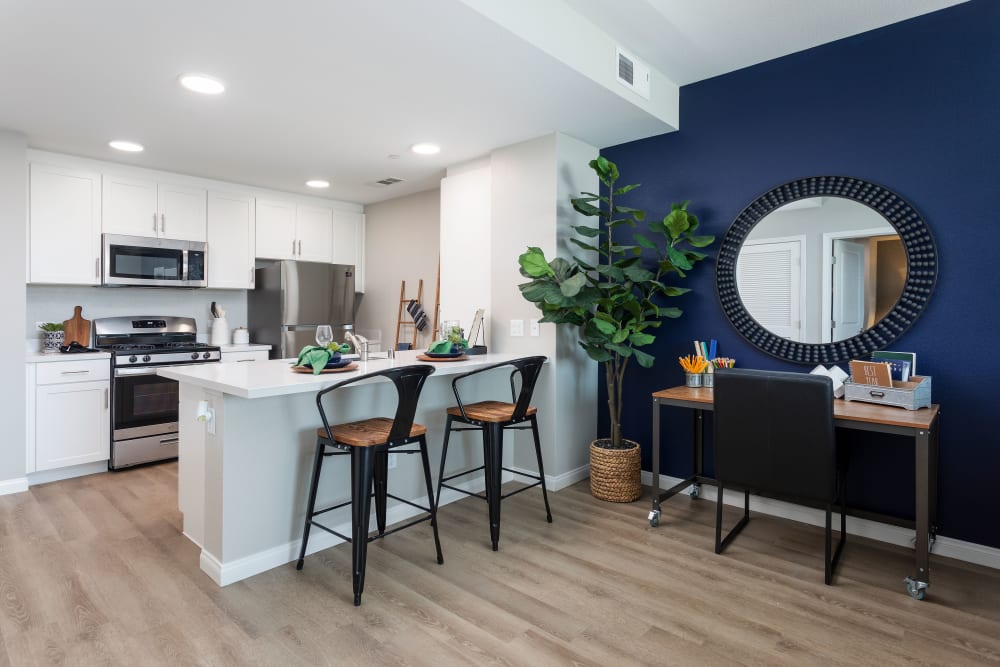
column 701, row 241
column 572, row 285
column 623, row 350
column 678, row 259
column 643, row 241
column 605, row 327
column 645, row 360
column 639, row 274
column 641, row 338
column 585, row 246
column 587, row 209
column 598, row 354
column 676, row 222
column 625, row 189
column 620, row 336
column 675, row 291
column 584, row 230
column 671, row 312
column 534, row 264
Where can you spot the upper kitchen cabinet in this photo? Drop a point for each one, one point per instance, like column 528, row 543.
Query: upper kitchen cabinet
column 64, row 231
column 145, row 208
column 230, row 240
column 290, row 231
column 349, row 243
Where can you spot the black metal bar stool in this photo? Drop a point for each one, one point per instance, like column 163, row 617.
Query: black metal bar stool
column 492, row 417
column 368, row 442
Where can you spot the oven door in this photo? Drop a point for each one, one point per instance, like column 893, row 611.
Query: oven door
column 145, row 404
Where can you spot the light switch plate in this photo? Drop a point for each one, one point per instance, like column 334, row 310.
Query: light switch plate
column 533, row 326
column 517, row 327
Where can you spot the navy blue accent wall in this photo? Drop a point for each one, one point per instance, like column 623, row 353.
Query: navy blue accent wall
column 915, row 107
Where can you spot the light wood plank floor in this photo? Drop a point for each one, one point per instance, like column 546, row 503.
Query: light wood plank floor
column 95, row 571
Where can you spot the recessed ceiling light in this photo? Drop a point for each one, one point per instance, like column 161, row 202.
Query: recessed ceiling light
column 201, row 83
column 127, row 146
column 425, row 149
column 318, row 184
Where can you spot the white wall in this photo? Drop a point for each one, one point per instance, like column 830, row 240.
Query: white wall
column 466, row 258
column 54, row 303
column 401, row 243
column 13, row 270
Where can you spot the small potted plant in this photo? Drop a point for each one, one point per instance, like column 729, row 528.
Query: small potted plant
column 616, row 300
column 53, row 336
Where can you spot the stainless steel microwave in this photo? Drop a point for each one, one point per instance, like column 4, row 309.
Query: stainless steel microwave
column 150, row 262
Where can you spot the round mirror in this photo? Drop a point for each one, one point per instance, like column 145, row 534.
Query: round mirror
column 826, row 269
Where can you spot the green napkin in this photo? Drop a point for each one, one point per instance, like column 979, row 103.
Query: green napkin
column 446, row 346
column 317, row 357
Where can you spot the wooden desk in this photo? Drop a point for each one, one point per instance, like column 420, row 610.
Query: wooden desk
column 921, row 425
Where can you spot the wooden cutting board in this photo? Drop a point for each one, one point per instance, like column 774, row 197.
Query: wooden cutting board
column 77, row 329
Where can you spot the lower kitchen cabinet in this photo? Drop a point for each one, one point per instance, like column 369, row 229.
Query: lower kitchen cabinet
column 242, row 356
column 70, row 416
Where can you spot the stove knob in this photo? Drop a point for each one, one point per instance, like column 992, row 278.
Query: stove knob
column 194, row 355
column 132, row 359
column 145, row 358
column 207, row 355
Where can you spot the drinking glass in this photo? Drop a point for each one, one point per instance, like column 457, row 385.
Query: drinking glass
column 324, row 335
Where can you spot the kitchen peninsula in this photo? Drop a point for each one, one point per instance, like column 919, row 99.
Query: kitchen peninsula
column 244, row 469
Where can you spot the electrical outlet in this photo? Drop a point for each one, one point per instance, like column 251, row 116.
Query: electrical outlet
column 533, row 326
column 392, row 460
column 517, row 327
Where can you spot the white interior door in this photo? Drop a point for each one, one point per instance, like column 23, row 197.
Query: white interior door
column 769, row 280
column 848, row 302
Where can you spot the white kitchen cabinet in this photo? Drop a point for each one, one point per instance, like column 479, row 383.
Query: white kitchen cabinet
column 144, row 208
column 64, row 231
column 231, row 231
column 349, row 243
column 244, row 356
column 275, row 229
column 71, row 413
column 290, row 231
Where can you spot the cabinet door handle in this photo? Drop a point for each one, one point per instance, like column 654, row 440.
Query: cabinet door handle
column 300, row 247
column 293, row 247
column 154, row 222
column 251, row 277
column 240, row 361
column 72, row 372
column 106, row 400
column 97, row 267
column 163, row 223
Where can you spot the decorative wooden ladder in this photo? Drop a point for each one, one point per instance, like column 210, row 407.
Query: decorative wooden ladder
column 401, row 323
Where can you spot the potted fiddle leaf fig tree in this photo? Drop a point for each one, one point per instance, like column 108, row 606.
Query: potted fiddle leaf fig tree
column 615, row 296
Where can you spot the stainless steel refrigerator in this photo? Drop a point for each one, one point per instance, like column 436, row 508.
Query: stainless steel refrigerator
column 292, row 298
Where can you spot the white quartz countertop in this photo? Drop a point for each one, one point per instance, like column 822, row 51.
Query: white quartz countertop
column 229, row 347
column 276, row 378
column 40, row 358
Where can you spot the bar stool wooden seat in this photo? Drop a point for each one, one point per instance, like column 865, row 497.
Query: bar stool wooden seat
column 492, row 418
column 368, row 442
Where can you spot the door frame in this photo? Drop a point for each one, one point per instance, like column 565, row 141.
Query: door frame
column 826, row 309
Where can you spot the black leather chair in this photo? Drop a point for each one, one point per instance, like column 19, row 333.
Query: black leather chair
column 774, row 434
column 492, row 418
column 368, row 442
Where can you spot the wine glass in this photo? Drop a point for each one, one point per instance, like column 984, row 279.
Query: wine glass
column 324, row 335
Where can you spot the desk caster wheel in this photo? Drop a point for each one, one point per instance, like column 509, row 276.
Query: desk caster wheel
column 654, row 518
column 695, row 490
column 916, row 589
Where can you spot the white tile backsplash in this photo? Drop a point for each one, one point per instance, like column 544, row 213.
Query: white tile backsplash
column 55, row 303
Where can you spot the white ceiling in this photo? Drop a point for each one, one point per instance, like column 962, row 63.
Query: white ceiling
column 329, row 89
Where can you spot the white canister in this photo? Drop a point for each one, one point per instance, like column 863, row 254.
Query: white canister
column 241, row 336
column 220, row 331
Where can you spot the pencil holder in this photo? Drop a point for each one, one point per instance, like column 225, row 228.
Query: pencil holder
column 708, row 380
column 693, row 379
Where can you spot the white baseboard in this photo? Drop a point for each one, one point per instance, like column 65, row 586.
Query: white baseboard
column 558, row 482
column 16, row 485
column 224, row 574
column 882, row 532
column 69, row 472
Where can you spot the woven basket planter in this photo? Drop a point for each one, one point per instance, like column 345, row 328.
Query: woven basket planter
column 615, row 473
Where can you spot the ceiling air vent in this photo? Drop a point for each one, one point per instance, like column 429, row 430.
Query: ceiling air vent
column 389, row 181
column 632, row 73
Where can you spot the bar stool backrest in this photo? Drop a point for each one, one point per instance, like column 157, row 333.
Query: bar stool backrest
column 528, row 368
column 408, row 380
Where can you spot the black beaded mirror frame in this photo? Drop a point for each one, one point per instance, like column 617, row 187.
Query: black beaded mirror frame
column 921, row 274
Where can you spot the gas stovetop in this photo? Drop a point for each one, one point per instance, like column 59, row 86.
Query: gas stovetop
column 141, row 341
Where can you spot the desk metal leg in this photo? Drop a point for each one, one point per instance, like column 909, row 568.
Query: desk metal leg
column 654, row 513
column 699, row 452
column 917, row 585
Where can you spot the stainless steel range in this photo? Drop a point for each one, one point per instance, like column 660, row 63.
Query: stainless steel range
column 144, row 405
